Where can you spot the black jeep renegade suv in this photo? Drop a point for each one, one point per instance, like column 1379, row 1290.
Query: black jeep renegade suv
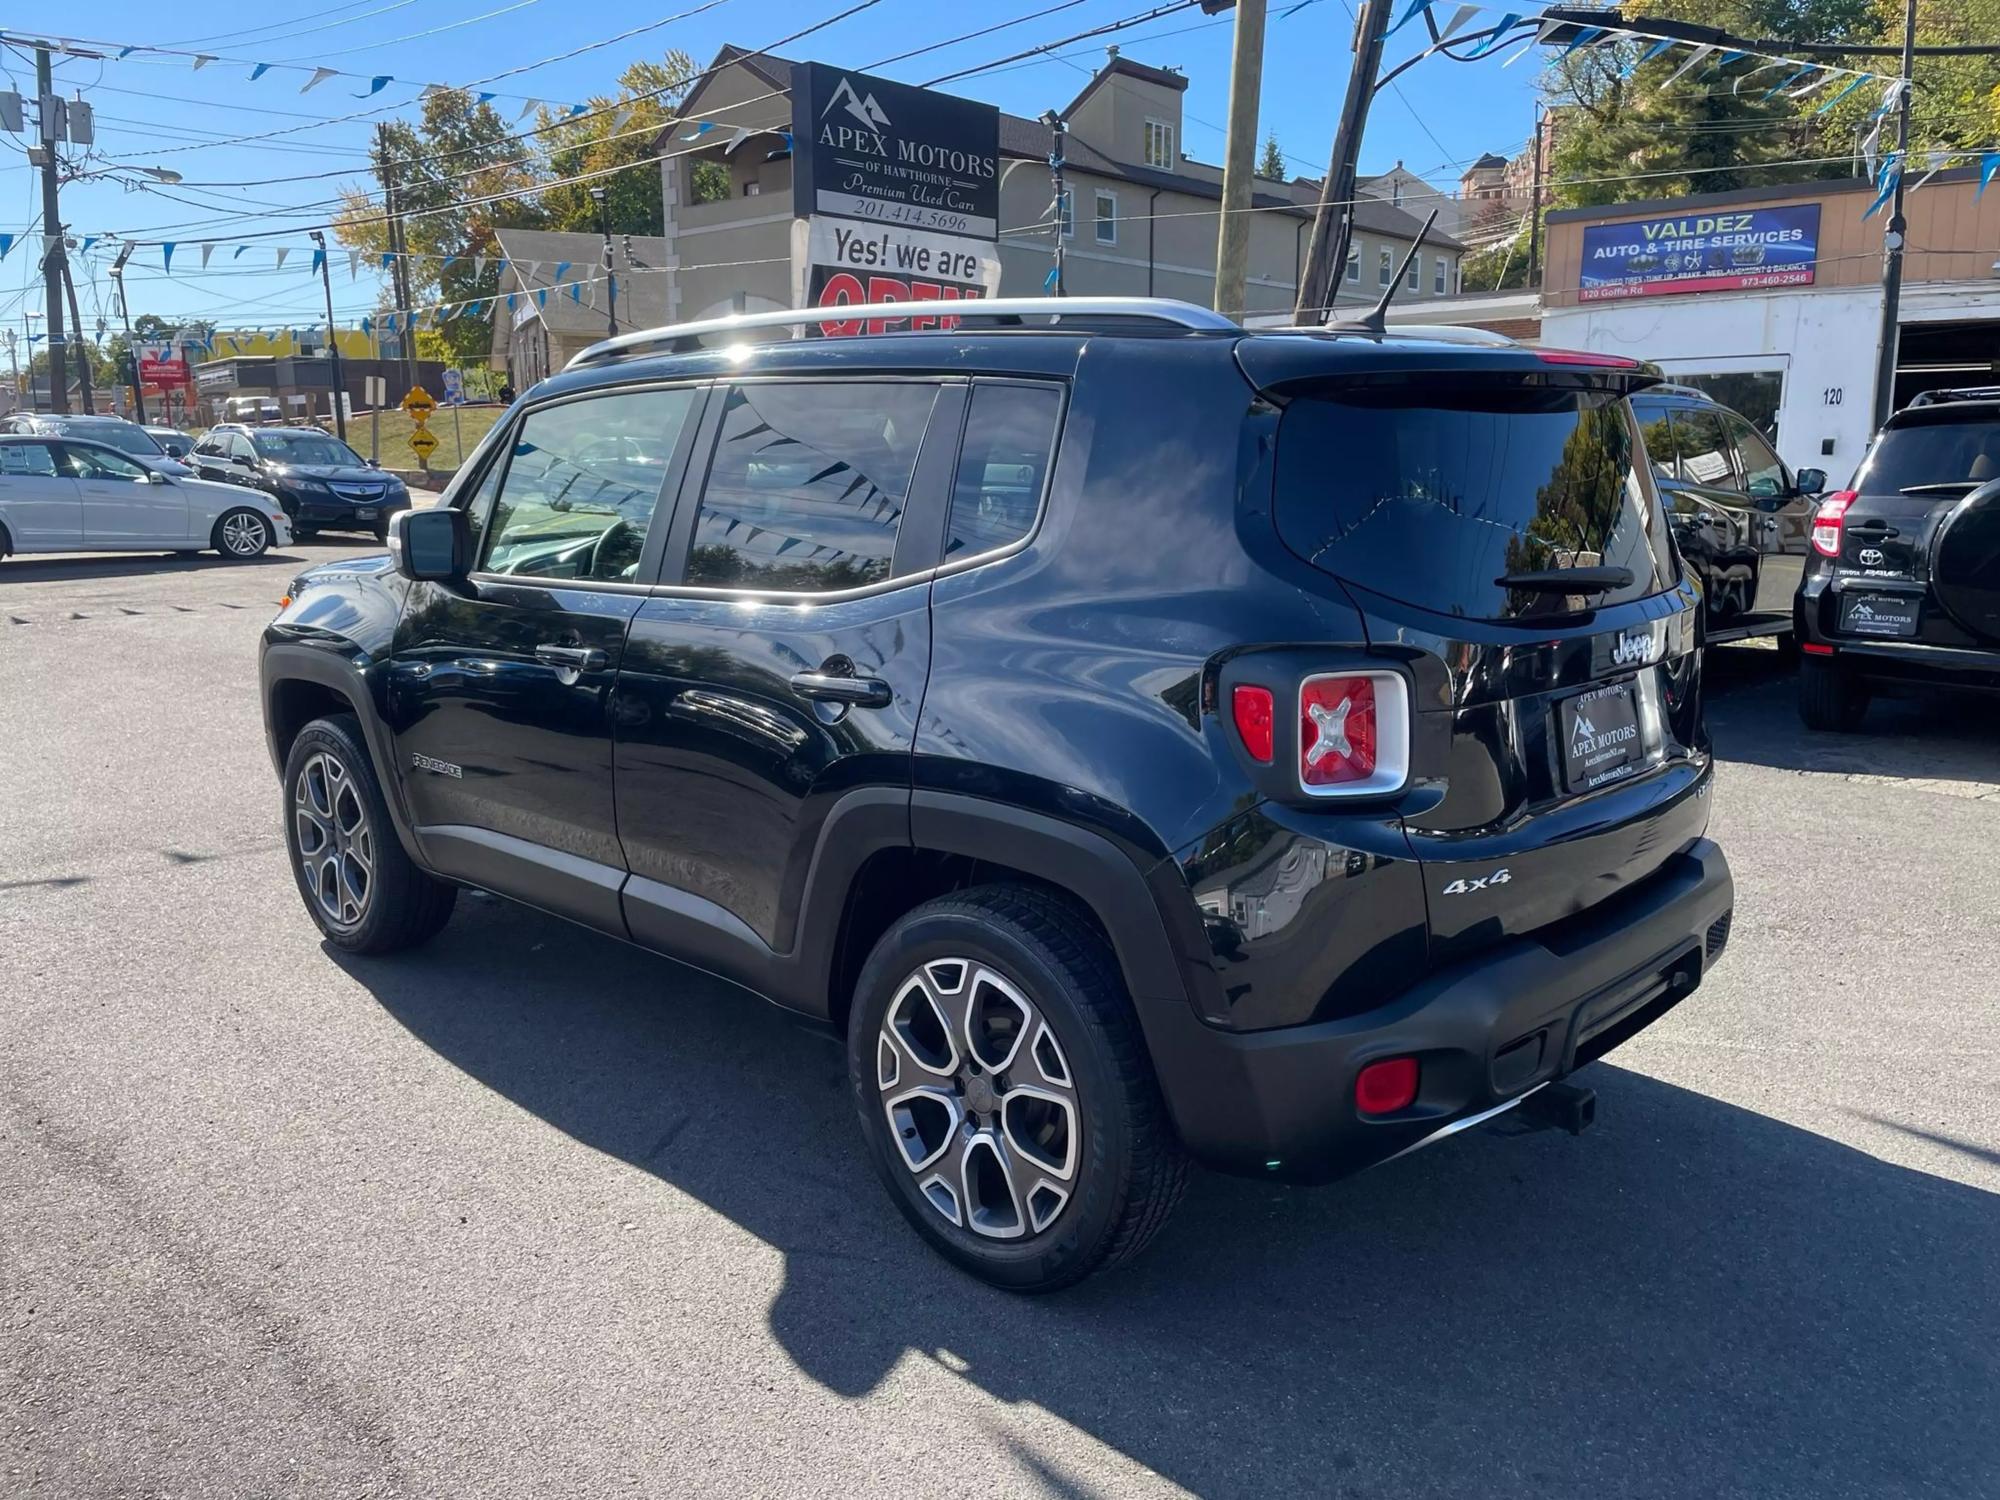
column 1144, row 738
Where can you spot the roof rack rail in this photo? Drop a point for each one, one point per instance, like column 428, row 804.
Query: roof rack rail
column 1668, row 388
column 1956, row 393
column 686, row 338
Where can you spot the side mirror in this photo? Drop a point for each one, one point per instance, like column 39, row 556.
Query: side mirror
column 1810, row 481
column 431, row 545
column 154, row 476
column 374, row 463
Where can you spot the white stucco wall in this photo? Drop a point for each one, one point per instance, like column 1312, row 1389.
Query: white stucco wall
column 1822, row 343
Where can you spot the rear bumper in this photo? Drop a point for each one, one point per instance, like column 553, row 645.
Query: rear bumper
column 1950, row 658
column 1486, row 1032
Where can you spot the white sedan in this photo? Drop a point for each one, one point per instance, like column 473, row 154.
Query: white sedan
column 60, row 494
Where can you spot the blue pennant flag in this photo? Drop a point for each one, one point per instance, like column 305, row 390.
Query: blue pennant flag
column 1583, row 38
column 541, row 296
column 125, row 52
column 259, row 71
column 319, row 259
column 1049, row 281
column 239, row 252
column 389, row 322
column 578, row 109
column 1410, row 13
column 576, row 291
column 561, row 266
column 1988, row 165
column 89, row 240
column 1729, row 57
column 1790, row 79
column 1507, row 24
column 167, row 256
column 6, row 244
column 701, row 128
column 1863, row 78
column 388, row 259
column 486, row 98
column 376, row 85
column 449, row 261
column 500, row 269
column 1890, row 178
column 511, row 300
column 1655, row 50
column 367, row 325
column 788, row 139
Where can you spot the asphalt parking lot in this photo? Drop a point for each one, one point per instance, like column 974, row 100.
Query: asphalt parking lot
column 531, row 1213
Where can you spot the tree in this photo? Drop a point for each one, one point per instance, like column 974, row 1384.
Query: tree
column 1501, row 266
column 1272, row 163
column 1956, row 104
column 457, row 155
column 619, row 132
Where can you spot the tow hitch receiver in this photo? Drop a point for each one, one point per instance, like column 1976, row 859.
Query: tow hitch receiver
column 1562, row 1105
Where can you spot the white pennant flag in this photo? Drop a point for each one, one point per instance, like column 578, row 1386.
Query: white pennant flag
column 433, row 88
column 526, row 110
column 619, row 117
column 353, row 264
column 283, row 251
column 206, row 252
column 741, row 135
column 1820, row 82
column 478, row 267
column 202, row 60
column 1934, row 163
column 320, row 75
column 534, row 270
column 1700, row 54
column 1459, row 19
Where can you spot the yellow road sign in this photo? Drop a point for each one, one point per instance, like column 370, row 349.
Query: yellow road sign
column 419, row 403
column 423, row 442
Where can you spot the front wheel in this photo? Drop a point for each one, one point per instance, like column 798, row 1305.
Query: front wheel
column 241, row 535
column 1005, row 1090
column 364, row 891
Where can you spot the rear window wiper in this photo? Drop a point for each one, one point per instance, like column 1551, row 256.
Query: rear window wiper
column 1943, row 487
column 1568, row 580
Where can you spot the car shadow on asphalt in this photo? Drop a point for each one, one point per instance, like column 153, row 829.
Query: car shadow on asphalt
column 1691, row 1298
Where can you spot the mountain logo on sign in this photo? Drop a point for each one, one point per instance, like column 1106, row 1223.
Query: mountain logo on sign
column 862, row 107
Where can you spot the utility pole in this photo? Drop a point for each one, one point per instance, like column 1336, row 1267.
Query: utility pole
column 332, row 340
column 399, row 269
column 1892, row 239
column 125, row 312
column 82, row 349
column 1333, row 224
column 1239, row 161
column 601, row 199
column 1535, row 207
column 14, row 353
column 1058, row 131
column 52, row 239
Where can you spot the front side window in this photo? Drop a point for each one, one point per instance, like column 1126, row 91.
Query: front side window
column 1010, row 435
column 29, row 460
column 1702, row 444
column 1160, row 145
column 1107, row 218
column 1763, row 472
column 808, row 484
column 582, row 483
column 101, row 463
column 239, row 447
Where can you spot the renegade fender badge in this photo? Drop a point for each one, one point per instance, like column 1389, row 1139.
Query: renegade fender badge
column 442, row 767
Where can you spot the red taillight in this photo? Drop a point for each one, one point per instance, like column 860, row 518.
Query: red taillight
column 1384, row 1087
column 1581, row 357
column 1337, row 741
column 1256, row 714
column 1828, row 520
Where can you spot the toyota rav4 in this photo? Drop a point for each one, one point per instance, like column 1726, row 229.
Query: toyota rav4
column 1144, row 740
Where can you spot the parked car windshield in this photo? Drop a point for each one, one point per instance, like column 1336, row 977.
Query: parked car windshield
column 305, row 448
column 1954, row 448
column 123, row 436
column 1430, row 496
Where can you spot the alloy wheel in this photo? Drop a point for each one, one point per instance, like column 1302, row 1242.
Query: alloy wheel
column 980, row 1099
column 336, row 844
column 243, row 534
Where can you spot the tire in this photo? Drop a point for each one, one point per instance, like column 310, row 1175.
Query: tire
column 235, row 538
column 1044, row 988
column 329, row 775
column 1830, row 697
column 6, row 543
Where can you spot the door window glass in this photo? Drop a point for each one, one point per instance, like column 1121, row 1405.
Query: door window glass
column 1763, row 474
column 240, row 447
column 582, row 484
column 1704, row 450
column 808, row 485
column 1009, row 436
column 102, row 463
column 30, row 460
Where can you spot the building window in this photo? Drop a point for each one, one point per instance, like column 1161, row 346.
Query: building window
column 1385, row 271
column 1160, row 145
column 752, row 189
column 1438, row 281
column 708, row 182
column 1107, row 218
column 1068, row 214
column 1416, row 274
column 1354, row 263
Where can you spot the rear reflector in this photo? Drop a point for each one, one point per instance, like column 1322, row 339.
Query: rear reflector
column 1828, row 521
column 1354, row 734
column 1384, row 1087
column 1256, row 715
column 1814, row 648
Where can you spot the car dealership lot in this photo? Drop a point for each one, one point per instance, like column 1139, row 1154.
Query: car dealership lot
column 530, row 1212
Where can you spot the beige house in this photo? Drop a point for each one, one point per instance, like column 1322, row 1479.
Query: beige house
column 555, row 298
column 1140, row 217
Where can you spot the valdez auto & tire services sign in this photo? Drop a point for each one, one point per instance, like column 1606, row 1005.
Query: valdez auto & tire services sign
column 1700, row 252
column 866, row 148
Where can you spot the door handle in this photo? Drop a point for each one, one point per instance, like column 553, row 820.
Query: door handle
column 572, row 658
column 825, row 687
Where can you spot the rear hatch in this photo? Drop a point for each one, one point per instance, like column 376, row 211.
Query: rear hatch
column 1492, row 523
column 1913, row 542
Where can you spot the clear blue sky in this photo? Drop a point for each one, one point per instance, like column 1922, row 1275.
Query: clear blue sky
column 1441, row 115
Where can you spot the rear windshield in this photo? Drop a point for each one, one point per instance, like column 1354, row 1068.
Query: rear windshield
column 1943, row 449
column 1432, row 503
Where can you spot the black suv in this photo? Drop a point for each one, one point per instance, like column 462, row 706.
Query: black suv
column 1904, row 582
column 1142, row 738
column 323, row 484
column 1739, row 516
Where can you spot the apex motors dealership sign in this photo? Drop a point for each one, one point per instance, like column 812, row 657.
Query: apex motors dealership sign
column 1700, row 252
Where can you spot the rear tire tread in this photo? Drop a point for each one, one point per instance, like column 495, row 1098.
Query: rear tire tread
column 1830, row 698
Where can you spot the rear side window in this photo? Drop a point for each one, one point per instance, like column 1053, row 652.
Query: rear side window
column 582, row 483
column 808, row 484
column 1433, row 503
column 27, row 459
column 1956, row 449
column 1010, row 436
